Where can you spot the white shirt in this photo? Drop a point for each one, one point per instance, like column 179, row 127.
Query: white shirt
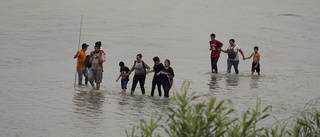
column 236, row 48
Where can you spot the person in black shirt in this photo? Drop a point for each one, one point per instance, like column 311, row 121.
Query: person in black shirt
column 156, row 79
column 167, row 75
column 123, row 75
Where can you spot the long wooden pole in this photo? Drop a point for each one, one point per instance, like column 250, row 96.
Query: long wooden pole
column 75, row 76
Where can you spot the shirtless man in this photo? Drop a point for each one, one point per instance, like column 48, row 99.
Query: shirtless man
column 256, row 60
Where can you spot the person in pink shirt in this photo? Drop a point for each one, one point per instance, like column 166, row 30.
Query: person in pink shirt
column 215, row 47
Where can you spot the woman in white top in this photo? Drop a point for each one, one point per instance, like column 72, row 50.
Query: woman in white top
column 233, row 58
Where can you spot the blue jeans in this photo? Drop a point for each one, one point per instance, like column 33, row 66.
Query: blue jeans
column 84, row 72
column 124, row 84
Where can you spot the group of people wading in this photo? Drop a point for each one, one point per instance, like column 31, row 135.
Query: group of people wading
column 163, row 74
column 233, row 58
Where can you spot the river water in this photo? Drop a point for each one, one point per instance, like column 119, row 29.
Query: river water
column 39, row 38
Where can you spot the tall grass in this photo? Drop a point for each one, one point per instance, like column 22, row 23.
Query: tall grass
column 212, row 118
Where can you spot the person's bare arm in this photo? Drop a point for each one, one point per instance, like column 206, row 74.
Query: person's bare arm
column 249, row 56
column 242, row 54
column 225, row 51
column 118, row 78
column 75, row 56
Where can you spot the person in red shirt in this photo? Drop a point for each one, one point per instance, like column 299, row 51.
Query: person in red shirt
column 215, row 47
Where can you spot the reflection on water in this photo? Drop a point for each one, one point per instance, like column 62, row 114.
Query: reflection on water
column 232, row 80
column 254, row 81
column 213, row 83
column 88, row 103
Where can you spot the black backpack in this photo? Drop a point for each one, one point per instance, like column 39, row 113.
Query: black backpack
column 232, row 54
column 86, row 61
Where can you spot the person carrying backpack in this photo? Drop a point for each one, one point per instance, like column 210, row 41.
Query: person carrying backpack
column 81, row 67
column 140, row 73
column 215, row 47
column 233, row 58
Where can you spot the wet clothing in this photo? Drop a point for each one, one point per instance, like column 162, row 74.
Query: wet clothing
column 257, row 69
column 139, row 76
column 156, row 79
column 214, row 67
column 95, row 75
column 84, row 72
column 167, row 82
column 215, row 54
column 235, row 64
column 124, row 77
column 141, row 79
column 95, row 72
column 124, row 84
column 81, row 57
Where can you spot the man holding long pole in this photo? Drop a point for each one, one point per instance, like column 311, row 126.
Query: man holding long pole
column 81, row 68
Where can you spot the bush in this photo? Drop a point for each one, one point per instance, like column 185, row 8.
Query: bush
column 213, row 119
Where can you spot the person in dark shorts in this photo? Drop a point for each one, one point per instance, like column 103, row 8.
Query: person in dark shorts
column 156, row 81
column 256, row 61
column 123, row 75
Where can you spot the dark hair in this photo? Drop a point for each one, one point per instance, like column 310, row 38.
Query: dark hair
column 214, row 35
column 121, row 64
column 98, row 43
column 84, row 45
column 232, row 40
column 97, row 46
column 139, row 55
column 256, row 47
column 156, row 58
column 168, row 61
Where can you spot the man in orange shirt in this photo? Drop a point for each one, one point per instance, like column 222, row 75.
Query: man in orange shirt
column 81, row 68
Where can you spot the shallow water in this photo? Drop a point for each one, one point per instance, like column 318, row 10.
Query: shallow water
column 39, row 38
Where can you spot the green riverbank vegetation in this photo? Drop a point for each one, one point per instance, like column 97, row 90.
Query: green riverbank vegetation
column 211, row 118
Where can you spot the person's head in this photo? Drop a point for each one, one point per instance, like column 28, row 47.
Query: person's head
column 139, row 57
column 85, row 46
column 96, row 48
column 98, row 43
column 121, row 64
column 156, row 60
column 167, row 63
column 213, row 36
column 256, row 48
column 231, row 41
